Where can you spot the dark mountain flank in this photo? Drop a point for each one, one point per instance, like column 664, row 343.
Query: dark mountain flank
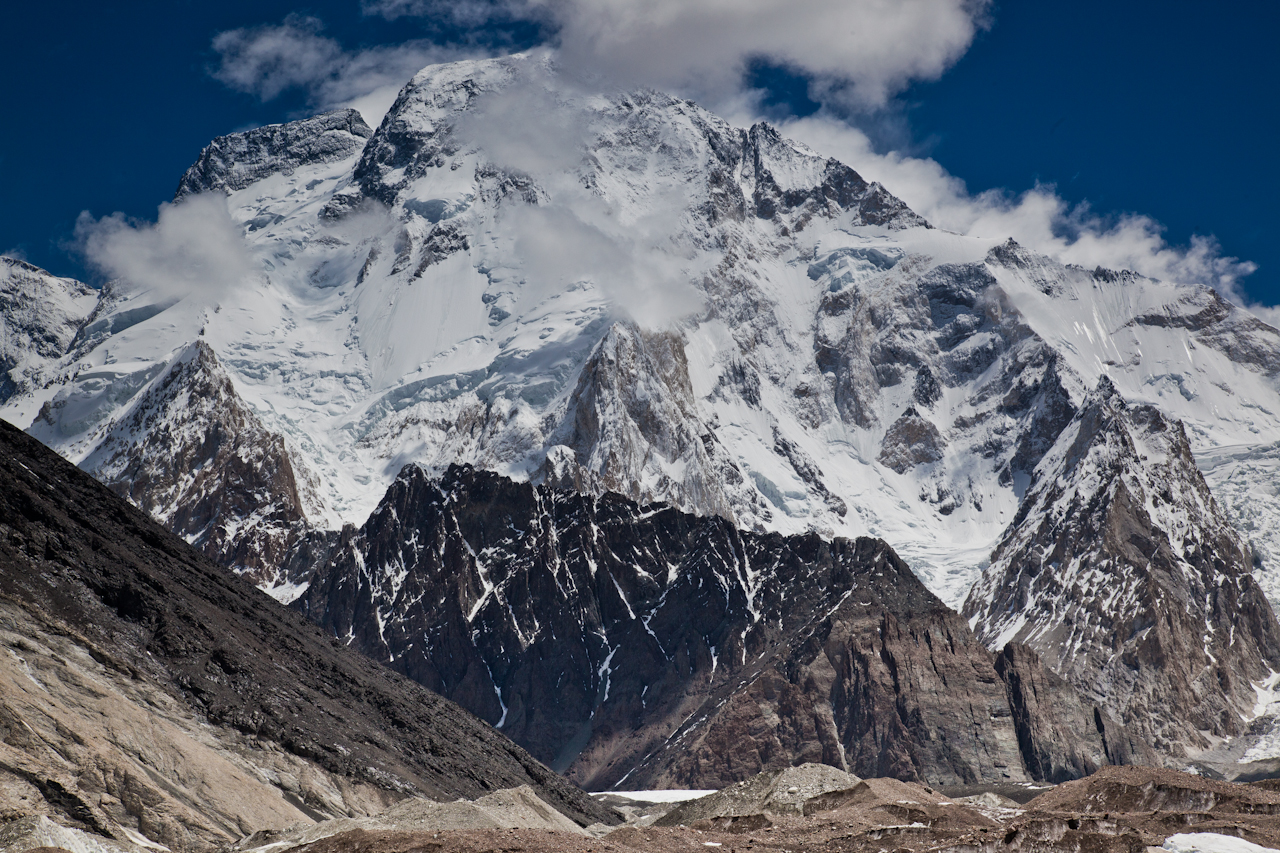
column 640, row 646
column 147, row 689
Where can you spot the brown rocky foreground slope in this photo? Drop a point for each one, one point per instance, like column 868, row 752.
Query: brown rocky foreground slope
column 144, row 690
column 1118, row 810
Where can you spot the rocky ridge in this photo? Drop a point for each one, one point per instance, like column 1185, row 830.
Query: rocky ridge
column 190, row 453
column 645, row 647
column 239, row 160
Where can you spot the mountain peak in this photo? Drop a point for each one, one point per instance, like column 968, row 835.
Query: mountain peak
column 235, row 161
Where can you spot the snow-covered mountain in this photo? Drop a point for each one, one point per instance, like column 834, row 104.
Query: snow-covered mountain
column 620, row 292
column 647, row 300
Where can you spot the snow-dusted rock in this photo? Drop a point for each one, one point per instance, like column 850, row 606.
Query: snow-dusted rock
column 630, row 645
column 189, row 452
column 238, row 160
column 39, row 317
column 1125, row 575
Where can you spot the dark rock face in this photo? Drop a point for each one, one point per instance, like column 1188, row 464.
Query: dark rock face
column 645, row 647
column 1123, row 574
column 94, row 568
column 1060, row 739
column 195, row 457
column 232, row 162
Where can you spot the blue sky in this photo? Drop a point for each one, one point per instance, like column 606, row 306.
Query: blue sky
column 1164, row 110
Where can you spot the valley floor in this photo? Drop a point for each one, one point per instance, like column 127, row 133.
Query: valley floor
column 1125, row 809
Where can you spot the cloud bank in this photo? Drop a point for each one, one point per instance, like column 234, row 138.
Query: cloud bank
column 858, row 52
column 1038, row 218
column 194, row 249
column 267, row 61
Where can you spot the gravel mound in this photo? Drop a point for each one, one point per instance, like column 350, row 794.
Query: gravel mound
column 1153, row 789
column 893, row 803
column 875, row 792
column 513, row 808
column 771, row 792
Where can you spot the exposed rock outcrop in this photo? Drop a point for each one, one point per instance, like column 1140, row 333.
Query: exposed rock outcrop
column 1060, row 739
column 235, row 161
column 633, row 417
column 193, row 455
column 911, row 441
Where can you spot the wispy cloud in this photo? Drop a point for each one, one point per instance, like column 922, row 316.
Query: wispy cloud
column 535, row 127
column 1038, row 218
column 858, row 52
column 634, row 268
column 194, row 248
column 266, row 61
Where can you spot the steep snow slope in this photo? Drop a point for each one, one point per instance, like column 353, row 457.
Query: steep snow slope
column 621, row 292
column 39, row 316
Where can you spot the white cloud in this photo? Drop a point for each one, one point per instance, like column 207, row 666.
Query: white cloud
column 529, row 126
column 859, row 52
column 634, row 267
column 267, row 61
column 1038, row 218
column 537, row 128
column 194, row 248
